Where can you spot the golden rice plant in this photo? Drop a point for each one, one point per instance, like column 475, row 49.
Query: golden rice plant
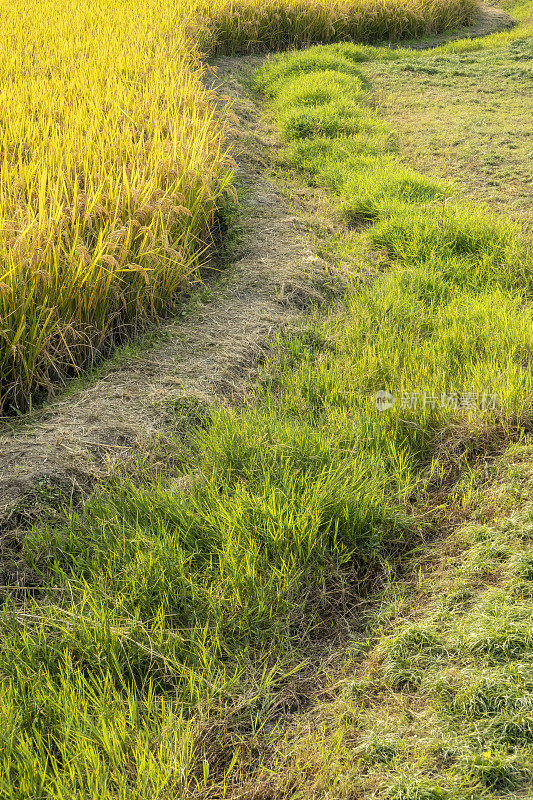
column 249, row 25
column 113, row 157
column 112, row 163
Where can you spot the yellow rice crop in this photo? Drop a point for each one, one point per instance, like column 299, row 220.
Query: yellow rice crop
column 252, row 25
column 112, row 161
column 113, row 157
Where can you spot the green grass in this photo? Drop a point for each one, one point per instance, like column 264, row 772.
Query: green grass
column 484, row 147
column 439, row 703
column 448, row 316
column 163, row 624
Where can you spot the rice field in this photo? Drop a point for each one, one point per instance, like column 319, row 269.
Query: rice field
column 275, row 607
column 114, row 158
column 246, row 25
column 112, row 164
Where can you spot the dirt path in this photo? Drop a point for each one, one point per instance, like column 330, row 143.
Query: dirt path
column 209, row 354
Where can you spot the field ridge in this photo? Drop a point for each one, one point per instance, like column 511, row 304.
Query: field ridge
column 315, row 583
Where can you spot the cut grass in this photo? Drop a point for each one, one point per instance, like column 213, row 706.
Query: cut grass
column 484, row 147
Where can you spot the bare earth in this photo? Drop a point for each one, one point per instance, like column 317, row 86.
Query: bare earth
column 210, row 354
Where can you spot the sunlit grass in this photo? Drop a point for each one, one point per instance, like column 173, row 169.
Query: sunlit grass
column 165, row 606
